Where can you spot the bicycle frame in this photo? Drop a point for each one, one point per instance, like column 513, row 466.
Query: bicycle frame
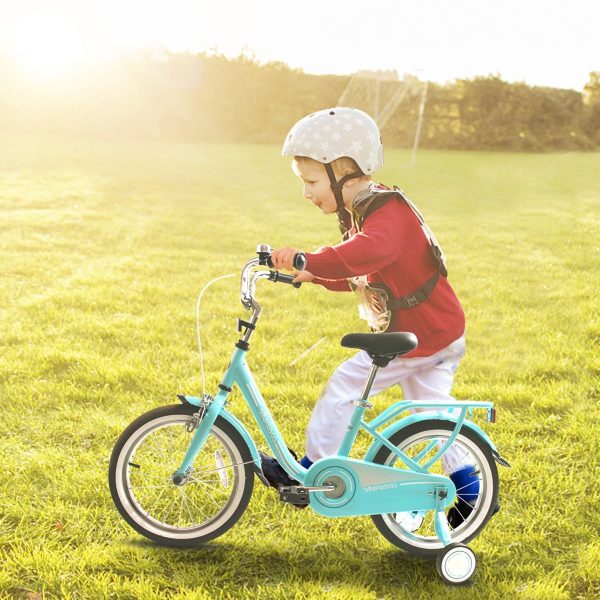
column 238, row 373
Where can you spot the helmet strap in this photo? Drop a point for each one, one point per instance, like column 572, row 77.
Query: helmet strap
column 344, row 217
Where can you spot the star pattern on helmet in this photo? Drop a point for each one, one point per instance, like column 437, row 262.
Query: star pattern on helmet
column 373, row 138
column 357, row 146
column 331, row 133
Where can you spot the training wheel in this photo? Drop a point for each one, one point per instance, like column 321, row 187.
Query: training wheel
column 456, row 563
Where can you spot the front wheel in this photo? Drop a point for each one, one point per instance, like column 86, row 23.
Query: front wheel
column 205, row 503
column 415, row 532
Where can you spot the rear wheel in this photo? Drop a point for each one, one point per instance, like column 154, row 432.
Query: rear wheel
column 420, row 441
column 205, row 503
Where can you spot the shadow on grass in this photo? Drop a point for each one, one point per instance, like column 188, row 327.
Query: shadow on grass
column 327, row 563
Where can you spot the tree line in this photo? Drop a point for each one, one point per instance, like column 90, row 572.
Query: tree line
column 205, row 97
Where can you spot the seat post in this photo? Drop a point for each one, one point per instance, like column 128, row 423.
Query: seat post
column 364, row 398
column 356, row 418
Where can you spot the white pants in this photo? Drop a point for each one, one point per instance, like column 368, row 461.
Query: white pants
column 423, row 378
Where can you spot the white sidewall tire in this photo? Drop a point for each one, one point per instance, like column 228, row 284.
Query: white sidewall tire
column 144, row 523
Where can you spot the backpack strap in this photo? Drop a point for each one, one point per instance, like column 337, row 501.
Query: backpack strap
column 436, row 249
column 417, row 297
column 369, row 201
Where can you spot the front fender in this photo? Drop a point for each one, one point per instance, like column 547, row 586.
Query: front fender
column 239, row 426
column 424, row 416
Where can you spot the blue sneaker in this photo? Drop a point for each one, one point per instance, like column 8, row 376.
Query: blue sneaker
column 467, row 492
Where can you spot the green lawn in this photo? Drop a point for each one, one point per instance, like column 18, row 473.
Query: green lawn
column 104, row 248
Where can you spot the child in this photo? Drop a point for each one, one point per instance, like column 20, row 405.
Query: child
column 391, row 259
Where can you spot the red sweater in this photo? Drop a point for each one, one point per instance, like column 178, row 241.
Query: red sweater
column 393, row 249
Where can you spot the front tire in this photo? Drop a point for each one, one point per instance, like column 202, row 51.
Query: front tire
column 421, row 439
column 213, row 495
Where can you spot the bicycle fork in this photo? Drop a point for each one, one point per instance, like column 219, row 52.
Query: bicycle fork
column 208, row 410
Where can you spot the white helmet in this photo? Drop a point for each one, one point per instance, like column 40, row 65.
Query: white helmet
column 332, row 133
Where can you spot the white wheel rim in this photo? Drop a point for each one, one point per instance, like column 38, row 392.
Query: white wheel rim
column 458, row 565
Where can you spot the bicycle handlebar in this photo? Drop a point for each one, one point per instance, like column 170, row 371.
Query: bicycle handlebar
column 250, row 277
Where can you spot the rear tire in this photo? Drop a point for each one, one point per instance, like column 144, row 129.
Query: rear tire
column 412, row 440
column 214, row 494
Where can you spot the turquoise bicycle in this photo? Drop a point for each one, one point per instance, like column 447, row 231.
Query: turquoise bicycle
column 183, row 474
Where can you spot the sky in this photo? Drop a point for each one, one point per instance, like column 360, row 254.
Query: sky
column 554, row 43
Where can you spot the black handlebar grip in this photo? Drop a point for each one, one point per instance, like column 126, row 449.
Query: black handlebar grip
column 299, row 261
column 277, row 276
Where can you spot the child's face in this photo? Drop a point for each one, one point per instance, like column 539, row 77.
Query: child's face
column 317, row 187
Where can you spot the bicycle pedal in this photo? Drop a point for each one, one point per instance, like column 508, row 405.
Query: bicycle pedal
column 294, row 494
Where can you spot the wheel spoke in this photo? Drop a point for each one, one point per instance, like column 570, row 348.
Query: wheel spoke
column 451, row 467
column 204, row 515
column 460, row 513
column 181, row 506
column 187, row 507
column 146, row 477
column 156, row 501
column 203, row 471
column 153, row 487
column 212, row 485
column 184, row 441
column 213, row 500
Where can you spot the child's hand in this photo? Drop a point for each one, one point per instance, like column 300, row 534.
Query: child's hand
column 283, row 258
column 303, row 276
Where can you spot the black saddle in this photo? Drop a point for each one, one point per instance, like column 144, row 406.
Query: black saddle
column 388, row 345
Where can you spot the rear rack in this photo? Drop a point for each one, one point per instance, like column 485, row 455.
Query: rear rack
column 468, row 406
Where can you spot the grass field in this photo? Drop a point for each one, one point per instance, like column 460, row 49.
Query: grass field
column 104, row 248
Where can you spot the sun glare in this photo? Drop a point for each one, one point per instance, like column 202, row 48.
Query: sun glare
column 47, row 46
